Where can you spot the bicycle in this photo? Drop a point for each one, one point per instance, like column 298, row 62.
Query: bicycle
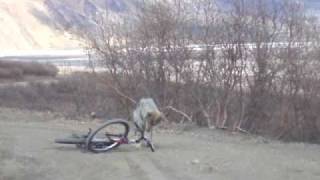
column 108, row 136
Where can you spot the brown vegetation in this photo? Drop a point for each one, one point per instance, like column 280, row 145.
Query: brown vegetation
column 18, row 70
column 251, row 67
column 74, row 96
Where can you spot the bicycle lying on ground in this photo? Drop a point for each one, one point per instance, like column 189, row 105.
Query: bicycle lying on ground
column 108, row 136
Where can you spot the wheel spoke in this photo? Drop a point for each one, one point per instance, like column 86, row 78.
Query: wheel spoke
column 107, row 136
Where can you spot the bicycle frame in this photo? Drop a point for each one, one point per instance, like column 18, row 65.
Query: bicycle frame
column 125, row 140
column 108, row 142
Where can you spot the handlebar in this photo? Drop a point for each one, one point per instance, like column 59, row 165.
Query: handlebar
column 148, row 142
column 142, row 137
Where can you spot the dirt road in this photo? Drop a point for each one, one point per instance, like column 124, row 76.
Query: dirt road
column 27, row 152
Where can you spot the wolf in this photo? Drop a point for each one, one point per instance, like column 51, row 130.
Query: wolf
column 146, row 116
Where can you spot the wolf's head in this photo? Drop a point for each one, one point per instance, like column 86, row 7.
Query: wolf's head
column 153, row 118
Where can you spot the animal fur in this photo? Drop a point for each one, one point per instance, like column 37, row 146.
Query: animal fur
column 147, row 116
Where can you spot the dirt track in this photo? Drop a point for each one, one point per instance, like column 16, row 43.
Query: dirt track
column 27, row 152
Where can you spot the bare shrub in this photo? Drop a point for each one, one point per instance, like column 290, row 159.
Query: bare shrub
column 38, row 69
column 75, row 96
column 12, row 73
column 253, row 67
column 16, row 70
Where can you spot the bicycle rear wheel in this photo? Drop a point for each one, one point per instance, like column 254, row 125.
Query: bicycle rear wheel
column 108, row 136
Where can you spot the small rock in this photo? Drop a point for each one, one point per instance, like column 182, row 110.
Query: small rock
column 195, row 161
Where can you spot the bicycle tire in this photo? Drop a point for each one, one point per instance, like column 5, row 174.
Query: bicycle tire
column 109, row 145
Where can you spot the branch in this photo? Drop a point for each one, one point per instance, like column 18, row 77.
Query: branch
column 122, row 94
column 242, row 130
column 179, row 112
column 117, row 91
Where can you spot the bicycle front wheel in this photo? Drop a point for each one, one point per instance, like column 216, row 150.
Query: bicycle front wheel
column 108, row 136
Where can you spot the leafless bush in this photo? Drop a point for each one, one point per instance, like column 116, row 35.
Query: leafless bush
column 252, row 67
column 75, row 96
column 12, row 73
column 16, row 70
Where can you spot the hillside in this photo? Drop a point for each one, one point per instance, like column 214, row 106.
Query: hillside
column 42, row 24
column 22, row 30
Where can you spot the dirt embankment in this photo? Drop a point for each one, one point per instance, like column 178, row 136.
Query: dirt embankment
column 27, row 152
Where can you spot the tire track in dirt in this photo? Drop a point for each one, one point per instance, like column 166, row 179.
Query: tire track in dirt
column 144, row 168
column 136, row 170
column 168, row 171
